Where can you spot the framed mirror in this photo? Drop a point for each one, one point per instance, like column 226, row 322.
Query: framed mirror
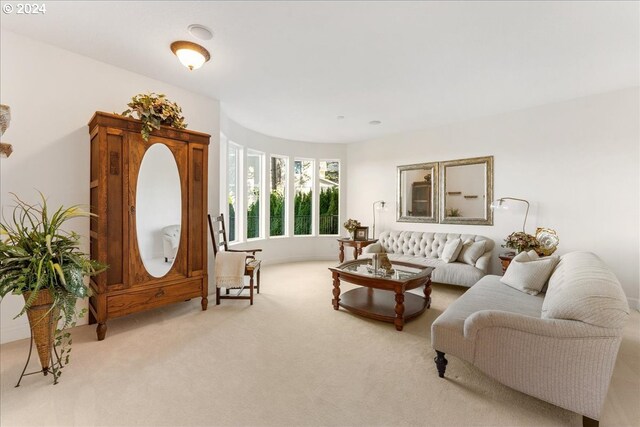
column 466, row 191
column 158, row 210
column 417, row 193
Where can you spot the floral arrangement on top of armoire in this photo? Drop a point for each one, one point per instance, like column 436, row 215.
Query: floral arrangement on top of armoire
column 155, row 110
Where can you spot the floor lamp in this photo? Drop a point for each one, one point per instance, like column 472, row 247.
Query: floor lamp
column 499, row 204
column 382, row 203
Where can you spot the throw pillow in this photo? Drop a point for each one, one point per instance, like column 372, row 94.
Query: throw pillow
column 451, row 250
column 471, row 251
column 529, row 273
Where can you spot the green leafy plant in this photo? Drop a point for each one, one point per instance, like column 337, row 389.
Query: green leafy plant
column 453, row 212
column 36, row 255
column 155, row 110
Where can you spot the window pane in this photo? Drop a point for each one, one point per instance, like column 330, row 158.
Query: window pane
column 278, row 196
column 329, row 196
column 254, row 176
column 232, row 190
column 303, row 186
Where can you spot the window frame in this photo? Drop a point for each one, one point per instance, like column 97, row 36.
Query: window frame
column 287, row 198
column 339, row 194
column 314, row 196
column 261, row 198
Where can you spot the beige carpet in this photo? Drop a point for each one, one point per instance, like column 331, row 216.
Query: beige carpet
column 288, row 360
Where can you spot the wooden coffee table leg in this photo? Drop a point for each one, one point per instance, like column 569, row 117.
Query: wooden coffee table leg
column 336, row 291
column 427, row 293
column 399, row 320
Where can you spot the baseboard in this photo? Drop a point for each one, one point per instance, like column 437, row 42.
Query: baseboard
column 14, row 333
column 287, row 260
column 634, row 303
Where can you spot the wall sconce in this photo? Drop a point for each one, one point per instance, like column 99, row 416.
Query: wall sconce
column 382, row 203
column 500, row 204
column 191, row 55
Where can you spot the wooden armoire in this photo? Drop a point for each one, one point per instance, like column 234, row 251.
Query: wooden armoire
column 126, row 287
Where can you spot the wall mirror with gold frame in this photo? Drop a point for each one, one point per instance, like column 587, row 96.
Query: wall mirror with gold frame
column 417, row 193
column 466, row 191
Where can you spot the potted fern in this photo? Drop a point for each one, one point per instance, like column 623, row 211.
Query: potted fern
column 44, row 264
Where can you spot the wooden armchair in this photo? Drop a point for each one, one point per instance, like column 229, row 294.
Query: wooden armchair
column 252, row 266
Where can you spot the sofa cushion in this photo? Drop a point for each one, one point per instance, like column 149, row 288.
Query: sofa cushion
column 583, row 288
column 451, row 250
column 528, row 273
column 471, row 251
column 456, row 272
column 487, row 294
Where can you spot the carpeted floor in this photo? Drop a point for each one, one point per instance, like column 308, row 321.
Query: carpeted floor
column 288, row 360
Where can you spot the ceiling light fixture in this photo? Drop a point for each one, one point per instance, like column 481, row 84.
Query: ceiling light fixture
column 375, row 122
column 340, row 117
column 192, row 55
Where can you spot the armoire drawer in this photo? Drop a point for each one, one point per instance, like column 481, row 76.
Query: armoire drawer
column 146, row 299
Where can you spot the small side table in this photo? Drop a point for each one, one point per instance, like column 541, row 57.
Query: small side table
column 505, row 259
column 357, row 246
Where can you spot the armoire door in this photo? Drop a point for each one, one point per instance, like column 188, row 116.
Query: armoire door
column 158, row 201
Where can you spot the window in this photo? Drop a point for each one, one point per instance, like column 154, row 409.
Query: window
column 303, row 202
column 278, row 196
column 233, row 167
column 329, row 203
column 254, row 186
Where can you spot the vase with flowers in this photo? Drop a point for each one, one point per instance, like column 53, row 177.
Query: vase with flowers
column 350, row 225
column 520, row 241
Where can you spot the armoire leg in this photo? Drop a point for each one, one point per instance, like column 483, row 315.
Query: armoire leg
column 205, row 303
column 101, row 331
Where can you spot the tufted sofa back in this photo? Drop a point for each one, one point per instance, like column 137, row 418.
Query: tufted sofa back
column 424, row 244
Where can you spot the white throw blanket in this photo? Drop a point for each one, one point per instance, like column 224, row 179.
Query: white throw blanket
column 230, row 269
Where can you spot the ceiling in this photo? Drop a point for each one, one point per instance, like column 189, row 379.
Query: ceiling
column 287, row 69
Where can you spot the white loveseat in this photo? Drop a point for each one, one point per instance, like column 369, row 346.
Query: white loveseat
column 560, row 346
column 424, row 248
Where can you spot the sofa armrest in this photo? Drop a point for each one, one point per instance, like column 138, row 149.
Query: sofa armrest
column 483, row 262
column 565, row 362
column 375, row 248
column 555, row 328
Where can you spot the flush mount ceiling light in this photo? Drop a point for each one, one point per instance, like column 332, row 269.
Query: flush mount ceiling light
column 191, row 55
column 200, row 32
column 375, row 122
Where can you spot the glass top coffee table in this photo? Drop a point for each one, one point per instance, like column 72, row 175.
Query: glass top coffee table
column 381, row 295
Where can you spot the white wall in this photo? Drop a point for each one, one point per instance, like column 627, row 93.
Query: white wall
column 292, row 248
column 577, row 162
column 53, row 93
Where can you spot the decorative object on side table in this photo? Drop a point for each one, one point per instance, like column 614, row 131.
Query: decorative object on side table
column 44, row 264
column 5, row 120
column 361, row 233
column 547, row 241
column 155, row 110
column 350, row 225
column 520, row 241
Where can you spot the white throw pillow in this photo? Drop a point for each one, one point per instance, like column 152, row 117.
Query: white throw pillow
column 471, row 251
column 529, row 273
column 451, row 250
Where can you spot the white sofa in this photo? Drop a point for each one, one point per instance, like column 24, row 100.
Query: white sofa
column 560, row 347
column 424, row 248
